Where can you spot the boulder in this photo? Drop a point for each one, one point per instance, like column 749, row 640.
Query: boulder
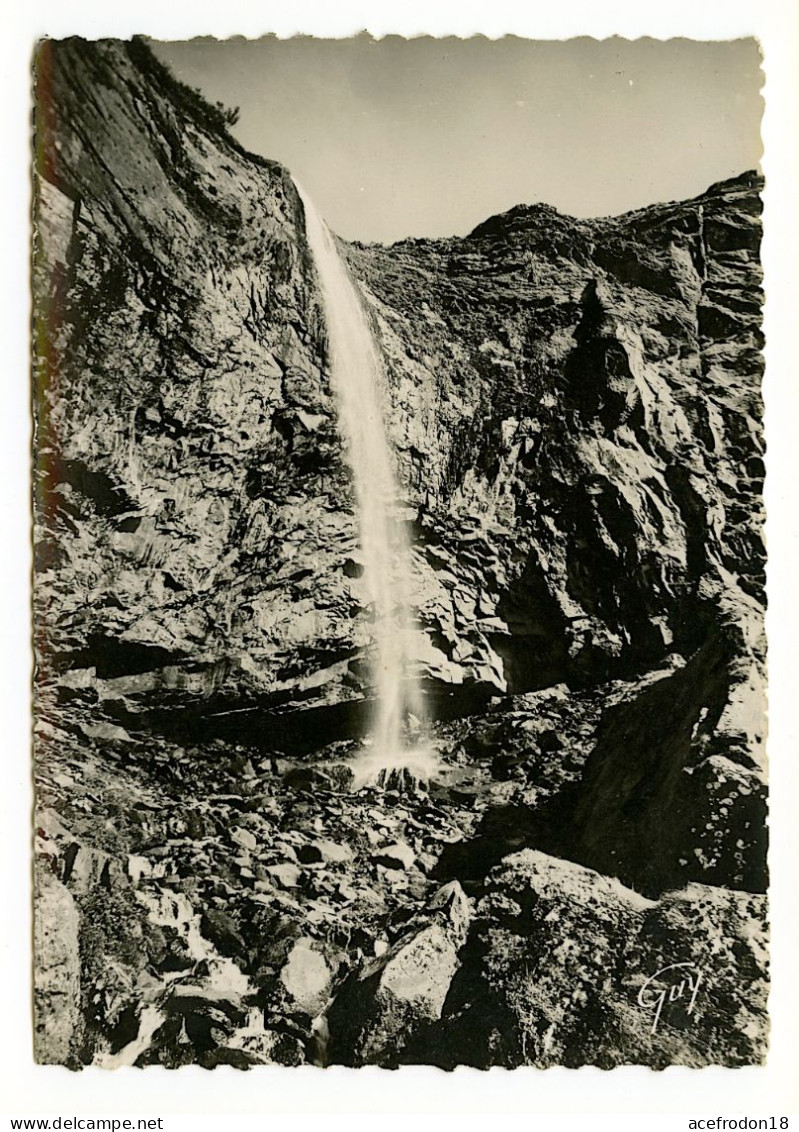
column 58, row 1020
column 383, row 1007
column 85, row 868
column 333, row 852
column 652, row 807
column 307, row 976
column 244, row 838
column 287, row 875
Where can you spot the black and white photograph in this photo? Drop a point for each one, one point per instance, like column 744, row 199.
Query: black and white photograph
column 399, row 692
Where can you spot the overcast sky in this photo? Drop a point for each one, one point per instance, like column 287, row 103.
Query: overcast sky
column 427, row 137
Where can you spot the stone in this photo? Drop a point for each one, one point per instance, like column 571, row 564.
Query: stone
column 398, row 855
column 58, row 1021
column 307, row 976
column 270, row 1047
column 333, row 851
column 222, row 930
column 701, row 807
column 85, row 868
column 452, row 903
column 382, row 1008
column 549, row 740
column 244, row 838
column 287, row 876
column 307, row 779
column 108, row 731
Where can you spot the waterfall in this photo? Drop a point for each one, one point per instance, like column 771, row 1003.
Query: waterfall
column 396, row 744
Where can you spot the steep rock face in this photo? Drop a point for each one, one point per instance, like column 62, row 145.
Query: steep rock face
column 576, row 417
column 575, row 407
column 194, row 518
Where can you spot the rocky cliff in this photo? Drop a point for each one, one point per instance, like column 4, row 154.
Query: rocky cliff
column 575, row 407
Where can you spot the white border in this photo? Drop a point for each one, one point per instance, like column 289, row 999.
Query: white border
column 31, row 1090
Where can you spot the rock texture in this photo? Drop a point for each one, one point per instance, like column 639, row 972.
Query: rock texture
column 57, row 975
column 575, row 406
column 194, row 521
column 590, row 390
column 552, row 945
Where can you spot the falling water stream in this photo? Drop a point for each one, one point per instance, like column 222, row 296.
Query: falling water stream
column 396, row 744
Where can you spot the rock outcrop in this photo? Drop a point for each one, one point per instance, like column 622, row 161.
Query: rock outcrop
column 590, row 390
column 568, row 967
column 381, row 1011
column 575, row 407
column 194, row 519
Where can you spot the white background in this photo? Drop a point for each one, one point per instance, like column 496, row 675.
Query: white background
column 31, row 1090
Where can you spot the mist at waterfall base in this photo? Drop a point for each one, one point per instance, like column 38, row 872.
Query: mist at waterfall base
column 396, row 748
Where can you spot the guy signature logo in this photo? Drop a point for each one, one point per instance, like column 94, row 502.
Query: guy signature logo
column 672, row 983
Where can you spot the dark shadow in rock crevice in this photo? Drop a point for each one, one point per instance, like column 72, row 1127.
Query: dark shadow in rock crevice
column 297, row 732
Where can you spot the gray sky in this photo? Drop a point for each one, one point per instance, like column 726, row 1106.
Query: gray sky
column 427, row 137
